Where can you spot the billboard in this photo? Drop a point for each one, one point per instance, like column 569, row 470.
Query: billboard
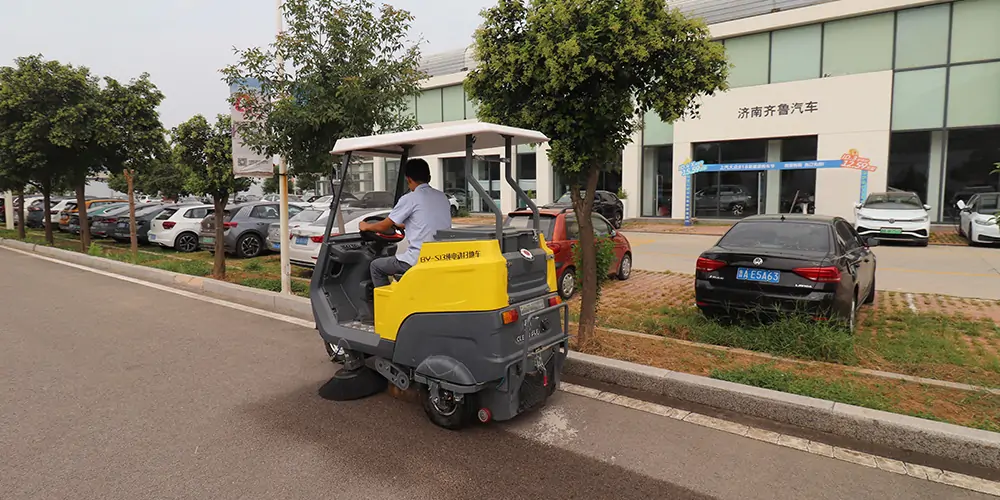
column 246, row 162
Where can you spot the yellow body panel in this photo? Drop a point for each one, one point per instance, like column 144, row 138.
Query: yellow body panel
column 451, row 276
column 550, row 266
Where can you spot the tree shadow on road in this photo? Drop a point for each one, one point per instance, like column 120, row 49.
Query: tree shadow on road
column 390, row 442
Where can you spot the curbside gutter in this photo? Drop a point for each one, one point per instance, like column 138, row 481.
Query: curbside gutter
column 902, row 432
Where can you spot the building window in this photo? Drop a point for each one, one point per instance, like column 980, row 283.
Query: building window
column 657, row 181
column 454, row 182
column 858, row 45
column 471, row 108
column 429, row 106
column 795, row 53
column 918, row 99
column 974, row 33
column 798, row 187
column 749, row 56
column 527, row 173
column 391, row 171
column 922, row 36
column 972, row 154
column 453, row 103
column 360, row 178
column 607, row 180
column 411, row 107
column 728, row 194
column 910, row 162
column 655, row 131
column 974, row 95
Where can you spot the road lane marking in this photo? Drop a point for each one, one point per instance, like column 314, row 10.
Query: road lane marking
column 563, row 430
column 812, row 447
column 176, row 291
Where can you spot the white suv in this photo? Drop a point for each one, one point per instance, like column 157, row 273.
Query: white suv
column 178, row 226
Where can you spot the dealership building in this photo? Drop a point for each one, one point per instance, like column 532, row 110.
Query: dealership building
column 892, row 94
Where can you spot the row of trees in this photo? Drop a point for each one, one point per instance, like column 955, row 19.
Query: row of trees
column 60, row 125
column 584, row 72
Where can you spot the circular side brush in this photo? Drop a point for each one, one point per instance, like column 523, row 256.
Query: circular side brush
column 349, row 385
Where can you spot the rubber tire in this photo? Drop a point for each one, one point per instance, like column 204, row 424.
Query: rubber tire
column 618, row 220
column 456, row 421
column 971, row 237
column 733, row 209
column 239, row 246
column 177, row 247
column 559, row 284
column 622, row 273
column 454, row 211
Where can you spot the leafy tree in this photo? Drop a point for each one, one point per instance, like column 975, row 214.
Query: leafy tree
column 205, row 152
column 163, row 178
column 270, row 185
column 135, row 138
column 584, row 72
column 15, row 180
column 353, row 73
column 49, row 120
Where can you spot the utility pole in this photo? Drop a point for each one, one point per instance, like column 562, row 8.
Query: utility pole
column 286, row 268
column 8, row 208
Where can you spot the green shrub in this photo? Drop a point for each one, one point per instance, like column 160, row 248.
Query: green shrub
column 189, row 267
column 95, row 250
column 253, row 266
column 842, row 391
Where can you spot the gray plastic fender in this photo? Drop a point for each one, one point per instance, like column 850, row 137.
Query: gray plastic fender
column 446, row 369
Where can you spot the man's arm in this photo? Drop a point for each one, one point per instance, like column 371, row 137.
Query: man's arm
column 381, row 226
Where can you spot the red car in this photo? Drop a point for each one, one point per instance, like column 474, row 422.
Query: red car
column 561, row 230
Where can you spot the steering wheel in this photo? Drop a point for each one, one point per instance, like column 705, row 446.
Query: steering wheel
column 393, row 235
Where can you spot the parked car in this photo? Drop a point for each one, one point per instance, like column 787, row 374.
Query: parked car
column 245, row 226
column 307, row 239
column 898, row 216
column 102, row 225
column 143, row 220
column 323, row 202
column 71, row 209
column 787, row 264
column 606, row 203
column 277, row 197
column 74, row 226
column 726, row 198
column 177, row 227
column 977, row 219
column 562, row 230
column 34, row 215
column 307, row 216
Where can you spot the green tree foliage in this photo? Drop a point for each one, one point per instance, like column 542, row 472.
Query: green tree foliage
column 205, row 152
column 50, row 121
column 584, row 72
column 135, row 139
column 352, row 72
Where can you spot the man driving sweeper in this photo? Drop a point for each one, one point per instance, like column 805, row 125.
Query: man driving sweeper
column 422, row 213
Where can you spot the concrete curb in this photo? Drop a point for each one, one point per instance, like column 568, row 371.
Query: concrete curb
column 938, row 439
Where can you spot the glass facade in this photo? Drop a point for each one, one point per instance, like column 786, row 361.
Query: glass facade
column 796, row 53
column 797, row 187
column 657, row 181
column 858, row 45
column 527, row 173
column 910, row 162
column 922, row 36
column 971, row 155
column 750, row 56
column 456, row 183
column 728, row 194
column 918, row 99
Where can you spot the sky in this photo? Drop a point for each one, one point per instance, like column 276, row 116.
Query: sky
column 183, row 44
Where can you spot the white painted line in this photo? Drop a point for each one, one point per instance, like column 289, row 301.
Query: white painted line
column 184, row 293
column 909, row 302
column 918, row 471
column 812, row 447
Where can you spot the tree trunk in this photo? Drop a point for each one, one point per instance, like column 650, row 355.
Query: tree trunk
column 81, row 211
column 219, row 269
column 129, row 178
column 588, row 274
column 46, row 214
column 20, row 215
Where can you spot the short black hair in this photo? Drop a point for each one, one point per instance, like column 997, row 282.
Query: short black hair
column 418, row 170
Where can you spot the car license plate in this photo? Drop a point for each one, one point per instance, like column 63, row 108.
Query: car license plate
column 530, row 307
column 275, row 246
column 207, row 240
column 152, row 237
column 122, row 225
column 889, row 230
column 301, row 240
column 760, row 275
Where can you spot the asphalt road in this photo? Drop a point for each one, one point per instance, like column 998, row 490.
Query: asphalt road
column 113, row 390
column 949, row 270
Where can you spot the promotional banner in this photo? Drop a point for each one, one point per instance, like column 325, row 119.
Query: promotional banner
column 246, row 162
column 850, row 160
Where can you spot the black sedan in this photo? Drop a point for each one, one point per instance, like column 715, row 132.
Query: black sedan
column 787, row 264
column 143, row 218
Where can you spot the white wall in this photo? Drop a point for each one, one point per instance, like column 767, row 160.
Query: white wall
column 853, row 112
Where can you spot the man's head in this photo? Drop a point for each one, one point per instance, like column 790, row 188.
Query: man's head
column 417, row 173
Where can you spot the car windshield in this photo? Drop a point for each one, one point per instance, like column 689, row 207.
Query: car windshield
column 894, row 201
column 523, row 221
column 147, row 210
column 988, row 204
column 306, row 216
column 566, row 199
column 779, row 235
